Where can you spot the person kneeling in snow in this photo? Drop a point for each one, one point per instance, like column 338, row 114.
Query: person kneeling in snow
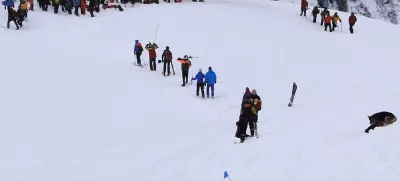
column 380, row 119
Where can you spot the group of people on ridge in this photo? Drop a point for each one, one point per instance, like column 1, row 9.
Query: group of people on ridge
column 326, row 18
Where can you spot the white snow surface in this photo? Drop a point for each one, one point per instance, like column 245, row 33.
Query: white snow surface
column 74, row 108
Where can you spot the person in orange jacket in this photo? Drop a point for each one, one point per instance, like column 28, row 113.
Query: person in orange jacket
column 352, row 22
column 335, row 19
column 328, row 20
column 304, row 7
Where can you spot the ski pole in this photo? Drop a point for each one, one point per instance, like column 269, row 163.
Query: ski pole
column 155, row 36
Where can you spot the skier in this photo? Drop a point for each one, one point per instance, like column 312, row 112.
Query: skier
column 211, row 79
column 381, row 119
column 185, row 65
column 335, row 19
column 257, row 102
column 167, row 59
column 323, row 14
column 328, row 20
column 152, row 55
column 138, row 52
column 304, row 7
column 315, row 13
column 352, row 22
column 200, row 83
column 12, row 14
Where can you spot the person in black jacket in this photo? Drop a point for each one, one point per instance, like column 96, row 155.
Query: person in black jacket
column 380, row 119
column 166, row 57
column 12, row 17
column 245, row 117
column 315, row 13
column 186, row 64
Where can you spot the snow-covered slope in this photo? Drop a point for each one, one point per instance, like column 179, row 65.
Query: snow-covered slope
column 74, row 108
column 387, row 10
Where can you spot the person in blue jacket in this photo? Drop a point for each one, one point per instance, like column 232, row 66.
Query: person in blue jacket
column 9, row 4
column 211, row 79
column 200, row 83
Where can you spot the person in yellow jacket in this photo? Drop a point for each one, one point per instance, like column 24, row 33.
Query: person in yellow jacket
column 24, row 8
column 335, row 19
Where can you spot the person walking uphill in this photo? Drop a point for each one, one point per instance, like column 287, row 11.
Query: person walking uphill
column 315, row 13
column 381, row 119
column 304, row 7
column 352, row 22
column 328, row 20
column 186, row 64
column 167, row 59
column 323, row 14
column 200, row 83
column 335, row 19
column 211, row 79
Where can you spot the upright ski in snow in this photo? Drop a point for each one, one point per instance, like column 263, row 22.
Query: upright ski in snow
column 294, row 89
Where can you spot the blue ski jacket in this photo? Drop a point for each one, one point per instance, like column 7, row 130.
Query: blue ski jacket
column 199, row 77
column 136, row 42
column 211, row 77
column 9, row 3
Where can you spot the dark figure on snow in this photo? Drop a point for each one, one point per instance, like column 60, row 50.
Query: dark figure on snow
column 328, row 20
column 304, row 7
column 352, row 22
column 315, row 13
column 185, row 65
column 20, row 16
column 92, row 7
column 77, row 5
column 138, row 50
column 323, row 15
column 335, row 19
column 152, row 55
column 380, row 119
column 167, row 59
column 200, row 83
column 211, row 80
column 12, row 15
column 56, row 6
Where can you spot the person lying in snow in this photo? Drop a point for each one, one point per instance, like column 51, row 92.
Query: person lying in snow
column 380, row 119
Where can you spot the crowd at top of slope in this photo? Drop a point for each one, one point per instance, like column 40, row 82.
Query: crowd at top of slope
column 387, row 10
column 329, row 21
column 67, row 6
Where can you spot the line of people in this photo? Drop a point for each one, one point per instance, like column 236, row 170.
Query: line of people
column 208, row 80
column 329, row 21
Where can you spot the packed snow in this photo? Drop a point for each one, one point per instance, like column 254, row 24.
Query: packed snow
column 73, row 107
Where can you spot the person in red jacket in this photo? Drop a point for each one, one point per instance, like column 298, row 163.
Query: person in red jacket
column 328, row 20
column 352, row 22
column 152, row 55
column 304, row 7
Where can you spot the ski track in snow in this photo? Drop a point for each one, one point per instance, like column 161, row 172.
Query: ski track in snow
column 74, row 108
